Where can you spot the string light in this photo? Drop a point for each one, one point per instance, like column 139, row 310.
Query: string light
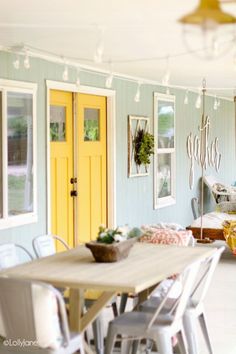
column 166, row 77
column 98, row 55
column 78, row 78
column 215, row 106
column 74, row 62
column 218, row 102
column 16, row 63
column 138, row 93
column 26, row 61
column 167, row 91
column 65, row 74
column 198, row 101
column 186, row 97
column 110, row 77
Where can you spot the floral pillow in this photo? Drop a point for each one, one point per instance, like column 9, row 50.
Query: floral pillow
column 167, row 237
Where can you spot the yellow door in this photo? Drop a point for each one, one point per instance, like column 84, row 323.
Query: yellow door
column 61, row 164
column 91, row 164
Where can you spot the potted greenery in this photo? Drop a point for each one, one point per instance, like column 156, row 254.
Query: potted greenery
column 112, row 245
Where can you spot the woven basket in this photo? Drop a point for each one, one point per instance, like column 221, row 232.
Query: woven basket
column 111, row 252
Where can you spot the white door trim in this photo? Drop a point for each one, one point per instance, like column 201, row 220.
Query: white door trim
column 111, row 143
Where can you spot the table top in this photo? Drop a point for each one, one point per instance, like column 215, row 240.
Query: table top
column 146, row 265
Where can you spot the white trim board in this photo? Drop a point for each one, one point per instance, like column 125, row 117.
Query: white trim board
column 111, row 143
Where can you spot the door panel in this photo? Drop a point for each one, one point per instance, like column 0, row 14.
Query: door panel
column 92, row 165
column 61, row 164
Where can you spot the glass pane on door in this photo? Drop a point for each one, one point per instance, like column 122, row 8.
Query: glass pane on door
column 91, row 124
column 57, row 123
column 20, row 152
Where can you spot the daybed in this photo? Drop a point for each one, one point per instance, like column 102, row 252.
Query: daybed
column 212, row 225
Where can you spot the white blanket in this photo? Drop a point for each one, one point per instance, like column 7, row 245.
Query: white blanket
column 213, row 220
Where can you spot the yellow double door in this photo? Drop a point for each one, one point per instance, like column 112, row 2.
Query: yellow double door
column 78, row 165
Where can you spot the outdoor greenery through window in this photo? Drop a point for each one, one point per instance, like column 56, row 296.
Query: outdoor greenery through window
column 164, row 122
column 20, row 153
column 91, row 124
column 17, row 155
column 57, row 123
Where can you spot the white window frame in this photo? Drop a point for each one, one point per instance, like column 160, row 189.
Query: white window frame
column 22, row 219
column 169, row 200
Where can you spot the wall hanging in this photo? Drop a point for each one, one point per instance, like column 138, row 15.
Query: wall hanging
column 204, row 153
column 140, row 146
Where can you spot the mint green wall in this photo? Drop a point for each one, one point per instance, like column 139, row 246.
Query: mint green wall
column 134, row 195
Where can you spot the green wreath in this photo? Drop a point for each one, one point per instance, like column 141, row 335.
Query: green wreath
column 143, row 144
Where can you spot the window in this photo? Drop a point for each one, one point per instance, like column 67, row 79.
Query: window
column 164, row 161
column 17, row 154
column 91, row 124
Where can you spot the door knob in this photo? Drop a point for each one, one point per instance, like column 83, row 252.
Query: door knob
column 73, row 180
column 73, row 193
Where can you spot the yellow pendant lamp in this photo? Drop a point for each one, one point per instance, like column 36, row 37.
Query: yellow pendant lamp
column 208, row 12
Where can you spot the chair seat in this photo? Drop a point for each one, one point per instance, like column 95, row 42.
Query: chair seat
column 140, row 321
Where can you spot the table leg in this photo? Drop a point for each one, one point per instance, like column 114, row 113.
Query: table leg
column 76, row 304
column 143, row 295
column 95, row 309
column 78, row 321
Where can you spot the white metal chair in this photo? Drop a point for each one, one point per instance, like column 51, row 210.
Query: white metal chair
column 156, row 326
column 195, row 309
column 10, row 255
column 45, row 246
column 23, row 325
column 195, row 207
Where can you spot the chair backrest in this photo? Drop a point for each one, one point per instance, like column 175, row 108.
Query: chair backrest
column 45, row 245
column 9, row 257
column 187, row 279
column 195, row 207
column 205, row 274
column 18, row 306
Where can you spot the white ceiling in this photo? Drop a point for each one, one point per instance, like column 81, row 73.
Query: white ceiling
column 134, row 29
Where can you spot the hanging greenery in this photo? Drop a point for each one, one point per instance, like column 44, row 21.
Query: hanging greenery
column 143, row 147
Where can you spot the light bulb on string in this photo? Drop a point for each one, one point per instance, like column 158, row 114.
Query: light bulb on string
column 138, row 93
column 16, row 63
column 110, row 77
column 78, row 78
column 167, row 90
column 65, row 74
column 215, row 106
column 166, row 77
column 98, row 55
column 26, row 61
column 218, row 102
column 198, row 101
column 186, row 97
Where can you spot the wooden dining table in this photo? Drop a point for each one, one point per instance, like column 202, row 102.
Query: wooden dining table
column 145, row 267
